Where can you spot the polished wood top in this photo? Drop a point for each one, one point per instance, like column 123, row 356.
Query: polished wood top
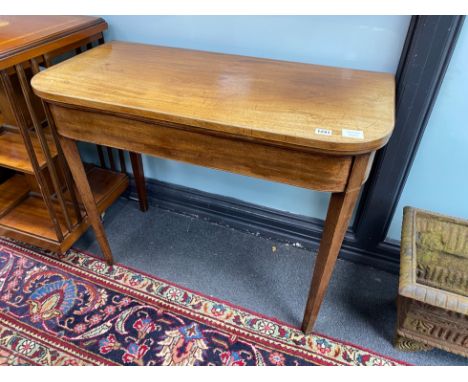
column 20, row 34
column 277, row 101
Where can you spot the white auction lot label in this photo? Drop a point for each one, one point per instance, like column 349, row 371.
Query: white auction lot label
column 356, row 134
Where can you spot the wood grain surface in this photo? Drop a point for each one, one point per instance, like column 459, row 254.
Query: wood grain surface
column 301, row 168
column 258, row 98
column 25, row 37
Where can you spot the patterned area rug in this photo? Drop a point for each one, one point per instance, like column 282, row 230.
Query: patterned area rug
column 75, row 310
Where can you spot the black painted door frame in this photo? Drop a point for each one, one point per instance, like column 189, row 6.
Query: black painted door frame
column 428, row 49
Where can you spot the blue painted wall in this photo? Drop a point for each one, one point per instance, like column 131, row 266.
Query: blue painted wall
column 438, row 180
column 360, row 42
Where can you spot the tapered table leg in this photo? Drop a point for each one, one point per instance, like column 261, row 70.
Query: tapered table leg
column 70, row 151
column 139, row 175
column 339, row 213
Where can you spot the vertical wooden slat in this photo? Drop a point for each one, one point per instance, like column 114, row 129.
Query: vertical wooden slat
column 43, row 142
column 63, row 166
column 123, row 166
column 47, row 61
column 100, row 151
column 61, row 159
column 21, row 122
column 110, row 154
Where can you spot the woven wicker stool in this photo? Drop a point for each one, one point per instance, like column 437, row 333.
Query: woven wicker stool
column 433, row 292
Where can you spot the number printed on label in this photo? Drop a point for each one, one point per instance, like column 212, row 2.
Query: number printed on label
column 319, row 131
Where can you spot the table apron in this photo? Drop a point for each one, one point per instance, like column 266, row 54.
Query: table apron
column 293, row 166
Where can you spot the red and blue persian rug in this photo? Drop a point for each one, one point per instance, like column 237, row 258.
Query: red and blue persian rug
column 75, row 310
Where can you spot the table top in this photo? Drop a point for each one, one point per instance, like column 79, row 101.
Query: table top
column 329, row 109
column 19, row 34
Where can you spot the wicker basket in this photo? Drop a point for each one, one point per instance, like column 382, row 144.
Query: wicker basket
column 433, row 292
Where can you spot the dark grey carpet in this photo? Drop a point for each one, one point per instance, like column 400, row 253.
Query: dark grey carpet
column 243, row 269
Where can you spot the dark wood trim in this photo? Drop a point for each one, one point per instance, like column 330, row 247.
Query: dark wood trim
column 427, row 51
column 259, row 220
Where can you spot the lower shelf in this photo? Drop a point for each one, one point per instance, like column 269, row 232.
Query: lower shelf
column 24, row 216
column 13, row 153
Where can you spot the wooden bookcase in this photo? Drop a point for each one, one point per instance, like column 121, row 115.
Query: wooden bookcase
column 39, row 204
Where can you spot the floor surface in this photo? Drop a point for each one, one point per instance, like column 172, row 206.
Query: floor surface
column 259, row 274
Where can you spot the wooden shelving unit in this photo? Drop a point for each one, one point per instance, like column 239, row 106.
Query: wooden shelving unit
column 39, row 203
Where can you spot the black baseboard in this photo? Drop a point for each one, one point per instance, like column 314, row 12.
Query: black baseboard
column 261, row 221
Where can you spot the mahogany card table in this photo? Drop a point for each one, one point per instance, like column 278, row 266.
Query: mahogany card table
column 310, row 126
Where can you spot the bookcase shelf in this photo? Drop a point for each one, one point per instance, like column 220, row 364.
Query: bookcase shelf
column 13, row 154
column 24, row 216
